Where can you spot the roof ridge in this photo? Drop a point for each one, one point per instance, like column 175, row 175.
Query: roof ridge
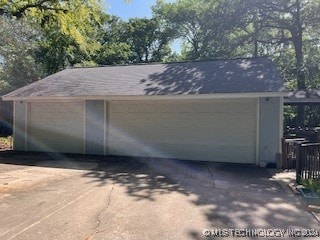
column 168, row 63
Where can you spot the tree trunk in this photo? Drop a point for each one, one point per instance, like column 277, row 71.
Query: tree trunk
column 297, row 32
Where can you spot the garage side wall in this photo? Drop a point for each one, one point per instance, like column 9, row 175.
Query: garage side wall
column 19, row 135
column 270, row 130
column 94, row 127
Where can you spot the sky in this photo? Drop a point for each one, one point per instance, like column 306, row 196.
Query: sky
column 134, row 8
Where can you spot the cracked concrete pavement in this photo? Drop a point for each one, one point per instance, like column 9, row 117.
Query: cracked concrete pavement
column 80, row 197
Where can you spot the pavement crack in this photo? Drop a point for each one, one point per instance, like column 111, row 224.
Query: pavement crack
column 99, row 218
column 210, row 173
column 110, row 194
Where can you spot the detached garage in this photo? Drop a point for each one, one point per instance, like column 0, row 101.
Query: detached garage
column 223, row 110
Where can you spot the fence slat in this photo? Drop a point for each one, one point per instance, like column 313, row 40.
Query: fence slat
column 289, row 152
column 298, row 165
column 308, row 161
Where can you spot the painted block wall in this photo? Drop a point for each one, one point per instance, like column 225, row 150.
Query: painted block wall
column 270, row 130
column 94, row 127
column 19, row 126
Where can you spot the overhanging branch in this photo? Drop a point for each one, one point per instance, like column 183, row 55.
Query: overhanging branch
column 40, row 5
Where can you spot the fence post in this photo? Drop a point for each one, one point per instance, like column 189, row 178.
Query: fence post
column 284, row 154
column 298, row 162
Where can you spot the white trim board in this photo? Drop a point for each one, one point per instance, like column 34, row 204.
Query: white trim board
column 258, row 131
column 153, row 97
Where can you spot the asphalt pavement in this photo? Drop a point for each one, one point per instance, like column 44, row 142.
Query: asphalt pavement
column 81, row 197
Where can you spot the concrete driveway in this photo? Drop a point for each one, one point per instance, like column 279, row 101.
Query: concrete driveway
column 79, row 197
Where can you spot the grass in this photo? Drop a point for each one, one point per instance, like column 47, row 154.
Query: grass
column 313, row 184
column 6, row 142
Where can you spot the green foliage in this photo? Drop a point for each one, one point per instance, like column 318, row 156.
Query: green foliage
column 147, row 41
column 113, row 48
column 311, row 120
column 86, row 64
column 312, row 64
column 6, row 142
column 287, row 31
column 290, row 113
column 209, row 29
column 17, row 48
column 134, row 41
column 66, row 30
column 312, row 116
column 113, row 53
column 64, row 33
column 74, row 18
column 186, row 21
column 313, row 184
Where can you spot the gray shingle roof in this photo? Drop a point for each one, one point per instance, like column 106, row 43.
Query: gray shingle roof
column 204, row 77
column 309, row 96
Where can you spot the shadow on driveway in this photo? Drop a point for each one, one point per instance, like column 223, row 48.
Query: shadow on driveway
column 232, row 195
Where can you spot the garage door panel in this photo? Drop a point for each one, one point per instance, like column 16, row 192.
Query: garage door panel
column 40, row 146
column 216, row 138
column 56, row 126
column 161, row 120
column 213, row 130
column 234, row 122
column 203, row 108
column 209, row 153
column 194, row 121
column 246, row 108
column 214, row 121
column 131, row 149
column 54, row 119
column 226, row 107
column 123, row 119
column 59, row 134
column 199, row 152
column 168, row 135
column 54, row 108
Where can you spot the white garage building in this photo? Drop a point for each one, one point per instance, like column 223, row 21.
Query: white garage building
column 223, row 110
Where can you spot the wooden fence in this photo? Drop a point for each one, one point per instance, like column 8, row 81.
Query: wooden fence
column 302, row 156
column 290, row 152
column 308, row 161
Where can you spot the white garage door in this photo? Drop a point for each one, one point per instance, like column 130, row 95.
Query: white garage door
column 211, row 130
column 55, row 126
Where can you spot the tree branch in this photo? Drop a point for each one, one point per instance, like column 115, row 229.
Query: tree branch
column 275, row 42
column 40, row 5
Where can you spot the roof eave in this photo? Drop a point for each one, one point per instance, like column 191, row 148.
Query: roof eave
column 148, row 97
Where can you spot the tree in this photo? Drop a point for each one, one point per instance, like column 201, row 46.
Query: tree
column 17, row 63
column 285, row 30
column 237, row 28
column 293, row 25
column 40, row 37
column 184, row 17
column 74, row 17
column 17, row 50
column 68, row 28
column 133, row 41
column 113, row 46
column 148, row 42
column 209, row 29
column 19, row 8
